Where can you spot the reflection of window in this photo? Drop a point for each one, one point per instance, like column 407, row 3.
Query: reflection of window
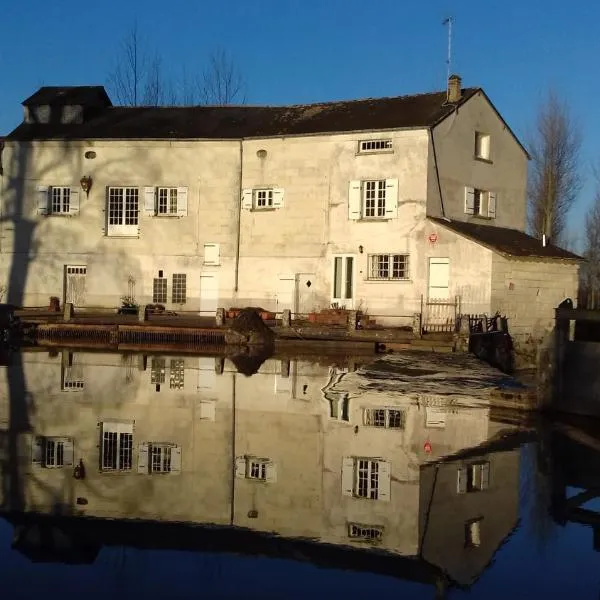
column 366, row 478
column 52, row 452
column 252, row 467
column 339, row 405
column 117, row 446
column 473, row 533
column 159, row 290
column 158, row 370
column 159, row 457
column 473, row 478
column 371, row 533
column 177, row 374
column 390, row 418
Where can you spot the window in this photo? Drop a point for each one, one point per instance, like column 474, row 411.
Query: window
column 117, row 446
column 366, row 478
column 480, row 203
column 159, row 290
column 211, row 254
column 52, row 452
column 388, row 266
column 366, row 146
column 262, row 198
column 58, row 200
column 373, row 199
column 369, row 533
column 159, row 457
column 473, row 533
column 178, row 295
column 165, row 201
column 123, row 204
column 177, row 374
column 251, row 467
column 388, row 418
column 343, row 279
column 482, row 146
column 157, row 371
column 473, row 478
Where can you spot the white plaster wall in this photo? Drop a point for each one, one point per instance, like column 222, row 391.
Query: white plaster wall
column 506, row 174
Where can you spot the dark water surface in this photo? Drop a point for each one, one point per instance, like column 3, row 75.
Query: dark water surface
column 179, row 477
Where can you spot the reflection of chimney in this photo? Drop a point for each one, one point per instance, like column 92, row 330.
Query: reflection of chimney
column 454, row 90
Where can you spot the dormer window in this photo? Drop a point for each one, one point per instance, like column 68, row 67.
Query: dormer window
column 482, row 146
column 372, row 146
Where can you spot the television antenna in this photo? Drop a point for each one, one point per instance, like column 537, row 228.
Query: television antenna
column 449, row 21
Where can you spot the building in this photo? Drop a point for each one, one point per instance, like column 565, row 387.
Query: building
column 392, row 206
column 168, row 439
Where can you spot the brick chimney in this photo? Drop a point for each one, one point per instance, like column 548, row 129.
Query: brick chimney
column 454, row 89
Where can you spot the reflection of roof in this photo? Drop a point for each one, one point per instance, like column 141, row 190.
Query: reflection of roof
column 235, row 122
column 506, row 241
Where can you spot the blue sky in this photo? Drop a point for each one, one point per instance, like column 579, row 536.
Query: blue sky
column 293, row 51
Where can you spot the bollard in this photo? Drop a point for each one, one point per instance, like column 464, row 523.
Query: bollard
column 417, row 325
column 220, row 317
column 219, row 365
column 142, row 314
column 286, row 318
column 68, row 312
column 352, row 320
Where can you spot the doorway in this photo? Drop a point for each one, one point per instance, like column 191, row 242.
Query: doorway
column 209, row 294
column 74, row 284
column 343, row 281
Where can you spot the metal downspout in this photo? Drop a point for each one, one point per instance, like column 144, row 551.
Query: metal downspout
column 238, row 223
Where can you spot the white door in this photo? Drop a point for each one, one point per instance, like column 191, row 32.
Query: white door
column 209, row 294
column 286, row 287
column 439, row 278
column 343, row 281
column 305, row 296
column 75, row 284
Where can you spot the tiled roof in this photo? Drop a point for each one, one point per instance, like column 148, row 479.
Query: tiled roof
column 85, row 95
column 234, row 122
column 511, row 242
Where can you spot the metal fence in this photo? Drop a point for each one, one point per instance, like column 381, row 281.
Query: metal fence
column 439, row 314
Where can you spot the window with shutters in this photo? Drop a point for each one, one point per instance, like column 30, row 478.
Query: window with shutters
column 178, row 288
column 474, row 477
column 259, row 469
column 52, row 452
column 267, row 198
column 165, row 201
column 385, row 267
column 482, row 146
column 372, row 146
column 58, row 200
column 367, row 478
column 373, row 199
column 480, row 203
column 116, row 446
column 159, row 457
column 385, row 418
column 368, row 533
column 159, row 290
column 123, row 211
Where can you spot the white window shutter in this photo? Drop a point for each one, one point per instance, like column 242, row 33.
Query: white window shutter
column 347, row 476
column 354, row 200
column 211, row 254
column 492, row 204
column 175, row 459
column 150, row 200
column 485, row 476
column 43, row 196
column 37, row 450
column 384, row 481
column 271, row 472
column 74, row 201
column 208, row 410
column 182, row 201
column 277, row 197
column 247, row 199
column 240, row 467
column 461, row 480
column 143, row 457
column 68, row 452
column 469, row 200
column 391, row 198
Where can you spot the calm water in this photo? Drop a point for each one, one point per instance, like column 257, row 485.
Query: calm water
column 180, row 476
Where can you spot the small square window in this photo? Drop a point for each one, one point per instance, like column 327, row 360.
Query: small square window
column 482, row 146
column 263, row 198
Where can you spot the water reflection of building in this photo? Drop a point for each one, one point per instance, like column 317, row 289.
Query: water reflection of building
column 287, row 451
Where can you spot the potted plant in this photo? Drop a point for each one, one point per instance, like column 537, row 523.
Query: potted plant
column 128, row 306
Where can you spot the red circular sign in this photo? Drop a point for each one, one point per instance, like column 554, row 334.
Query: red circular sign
column 427, row 447
column 433, row 238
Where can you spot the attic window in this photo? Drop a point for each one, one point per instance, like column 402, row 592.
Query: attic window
column 367, row 146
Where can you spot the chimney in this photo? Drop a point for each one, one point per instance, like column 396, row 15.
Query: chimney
column 454, row 88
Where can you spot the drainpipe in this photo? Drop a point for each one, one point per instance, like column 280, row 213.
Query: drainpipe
column 437, row 173
column 238, row 223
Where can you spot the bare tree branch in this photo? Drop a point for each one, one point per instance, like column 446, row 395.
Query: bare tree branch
column 126, row 80
column 590, row 275
column 155, row 88
column 554, row 176
column 222, row 82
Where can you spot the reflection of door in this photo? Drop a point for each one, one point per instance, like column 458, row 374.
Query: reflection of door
column 75, row 284
column 439, row 277
column 343, row 280
column 286, row 286
column 209, row 294
column 305, row 293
